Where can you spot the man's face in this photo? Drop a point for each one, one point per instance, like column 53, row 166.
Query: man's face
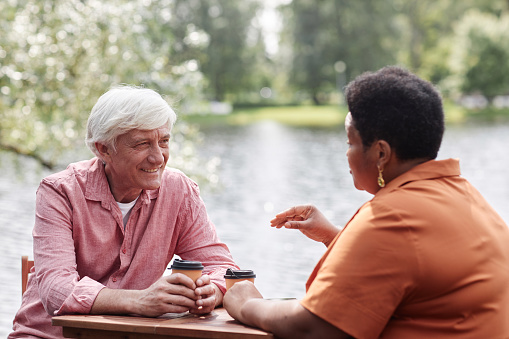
column 137, row 163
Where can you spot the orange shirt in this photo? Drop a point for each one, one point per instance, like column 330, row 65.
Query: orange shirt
column 427, row 257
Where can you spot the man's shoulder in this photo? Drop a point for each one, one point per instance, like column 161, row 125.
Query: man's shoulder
column 171, row 171
column 74, row 171
column 175, row 178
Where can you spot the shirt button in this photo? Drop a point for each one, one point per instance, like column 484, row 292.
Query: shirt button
column 114, row 279
column 124, row 250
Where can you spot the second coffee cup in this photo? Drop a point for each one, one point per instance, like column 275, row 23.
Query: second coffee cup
column 193, row 269
column 233, row 276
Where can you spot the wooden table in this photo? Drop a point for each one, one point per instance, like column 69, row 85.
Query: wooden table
column 217, row 324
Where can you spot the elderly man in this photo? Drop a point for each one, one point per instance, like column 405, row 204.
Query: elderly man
column 106, row 228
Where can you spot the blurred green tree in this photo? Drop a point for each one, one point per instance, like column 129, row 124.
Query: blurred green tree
column 480, row 55
column 220, row 34
column 358, row 33
column 367, row 35
column 427, row 32
column 58, row 56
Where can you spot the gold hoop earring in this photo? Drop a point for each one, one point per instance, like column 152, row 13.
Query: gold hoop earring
column 381, row 181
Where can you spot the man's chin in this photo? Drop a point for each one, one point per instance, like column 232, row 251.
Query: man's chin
column 152, row 185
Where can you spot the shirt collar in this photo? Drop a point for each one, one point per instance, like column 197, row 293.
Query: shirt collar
column 98, row 189
column 431, row 169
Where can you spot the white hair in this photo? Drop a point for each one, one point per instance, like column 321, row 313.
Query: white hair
column 124, row 108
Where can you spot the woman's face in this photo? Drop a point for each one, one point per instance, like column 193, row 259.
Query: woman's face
column 138, row 162
column 362, row 161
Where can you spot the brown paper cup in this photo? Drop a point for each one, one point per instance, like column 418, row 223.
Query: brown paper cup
column 234, row 276
column 193, row 269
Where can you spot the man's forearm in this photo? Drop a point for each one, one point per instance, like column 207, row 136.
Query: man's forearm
column 112, row 301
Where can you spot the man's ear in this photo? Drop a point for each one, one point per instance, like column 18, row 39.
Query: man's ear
column 384, row 153
column 103, row 150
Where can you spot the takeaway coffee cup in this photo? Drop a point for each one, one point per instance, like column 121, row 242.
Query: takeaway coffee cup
column 192, row 269
column 233, row 276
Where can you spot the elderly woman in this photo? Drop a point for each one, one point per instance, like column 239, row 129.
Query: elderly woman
column 106, row 228
column 427, row 257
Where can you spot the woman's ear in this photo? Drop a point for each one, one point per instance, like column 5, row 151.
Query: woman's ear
column 384, row 153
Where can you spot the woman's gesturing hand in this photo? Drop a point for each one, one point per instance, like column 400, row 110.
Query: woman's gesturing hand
column 309, row 220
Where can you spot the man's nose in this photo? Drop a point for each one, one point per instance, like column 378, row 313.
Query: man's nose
column 156, row 155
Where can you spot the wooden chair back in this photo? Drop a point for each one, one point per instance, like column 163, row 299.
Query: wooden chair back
column 26, row 266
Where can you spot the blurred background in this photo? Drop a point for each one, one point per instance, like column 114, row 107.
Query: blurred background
column 258, row 87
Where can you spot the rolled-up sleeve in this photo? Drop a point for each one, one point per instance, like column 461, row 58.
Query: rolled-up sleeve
column 61, row 289
column 198, row 239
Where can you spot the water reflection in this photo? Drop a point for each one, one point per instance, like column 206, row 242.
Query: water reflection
column 268, row 167
column 265, row 168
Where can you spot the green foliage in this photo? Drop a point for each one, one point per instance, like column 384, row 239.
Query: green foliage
column 220, row 36
column 324, row 32
column 367, row 35
column 324, row 116
column 480, row 56
column 426, row 27
column 58, row 56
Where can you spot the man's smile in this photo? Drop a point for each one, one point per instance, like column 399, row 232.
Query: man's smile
column 150, row 170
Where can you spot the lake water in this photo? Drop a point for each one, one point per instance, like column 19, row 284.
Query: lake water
column 265, row 167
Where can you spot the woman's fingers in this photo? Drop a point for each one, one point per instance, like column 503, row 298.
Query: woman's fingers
column 295, row 213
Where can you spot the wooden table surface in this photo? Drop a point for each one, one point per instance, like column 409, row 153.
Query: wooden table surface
column 217, row 324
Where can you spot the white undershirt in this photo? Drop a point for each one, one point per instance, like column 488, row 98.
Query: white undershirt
column 126, row 208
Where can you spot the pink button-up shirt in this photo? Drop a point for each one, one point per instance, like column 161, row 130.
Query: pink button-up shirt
column 81, row 246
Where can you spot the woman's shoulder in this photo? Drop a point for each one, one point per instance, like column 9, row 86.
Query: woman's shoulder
column 393, row 209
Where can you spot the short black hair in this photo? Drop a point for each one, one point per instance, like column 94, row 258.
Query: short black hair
column 395, row 105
